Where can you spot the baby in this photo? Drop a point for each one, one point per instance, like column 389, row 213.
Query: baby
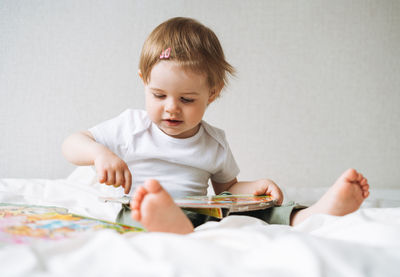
column 184, row 70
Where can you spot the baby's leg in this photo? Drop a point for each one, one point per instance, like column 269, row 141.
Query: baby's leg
column 155, row 209
column 343, row 197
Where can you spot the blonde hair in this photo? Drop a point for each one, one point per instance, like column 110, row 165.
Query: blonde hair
column 193, row 46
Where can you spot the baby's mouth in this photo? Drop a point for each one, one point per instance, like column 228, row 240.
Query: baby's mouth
column 173, row 121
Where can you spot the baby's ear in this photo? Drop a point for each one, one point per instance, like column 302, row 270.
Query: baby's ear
column 214, row 93
column 141, row 77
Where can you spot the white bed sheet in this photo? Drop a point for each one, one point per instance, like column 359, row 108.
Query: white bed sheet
column 364, row 243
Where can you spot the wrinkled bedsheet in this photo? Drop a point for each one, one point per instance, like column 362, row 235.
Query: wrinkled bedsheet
column 364, row 243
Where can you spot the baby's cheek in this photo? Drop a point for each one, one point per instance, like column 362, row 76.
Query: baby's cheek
column 153, row 113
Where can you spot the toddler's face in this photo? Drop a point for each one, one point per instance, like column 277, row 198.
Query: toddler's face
column 176, row 99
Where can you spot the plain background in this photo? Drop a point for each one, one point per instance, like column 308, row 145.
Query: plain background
column 316, row 90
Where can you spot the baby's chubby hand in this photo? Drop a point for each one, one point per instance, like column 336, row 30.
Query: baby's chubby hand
column 113, row 171
column 268, row 187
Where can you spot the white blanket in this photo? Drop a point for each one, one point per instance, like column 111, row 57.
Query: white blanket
column 364, row 243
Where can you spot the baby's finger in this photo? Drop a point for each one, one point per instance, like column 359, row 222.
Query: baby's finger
column 277, row 195
column 119, row 179
column 110, row 177
column 128, row 181
column 259, row 192
column 102, row 175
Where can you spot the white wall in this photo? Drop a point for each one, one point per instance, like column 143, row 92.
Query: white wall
column 317, row 89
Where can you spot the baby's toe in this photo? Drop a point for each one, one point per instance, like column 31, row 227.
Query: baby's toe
column 364, row 182
column 135, row 215
column 135, row 205
column 360, row 177
column 139, row 194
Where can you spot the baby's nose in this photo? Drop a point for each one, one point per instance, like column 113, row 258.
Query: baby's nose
column 172, row 106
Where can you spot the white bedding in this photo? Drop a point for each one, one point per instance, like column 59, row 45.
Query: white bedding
column 365, row 243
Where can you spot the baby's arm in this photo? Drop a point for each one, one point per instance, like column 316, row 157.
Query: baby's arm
column 82, row 149
column 259, row 187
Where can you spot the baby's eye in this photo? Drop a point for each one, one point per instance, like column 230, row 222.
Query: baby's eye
column 160, row 96
column 186, row 100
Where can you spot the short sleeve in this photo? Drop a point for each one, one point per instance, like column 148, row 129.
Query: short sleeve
column 228, row 169
column 117, row 133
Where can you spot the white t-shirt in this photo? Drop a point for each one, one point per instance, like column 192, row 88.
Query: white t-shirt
column 182, row 166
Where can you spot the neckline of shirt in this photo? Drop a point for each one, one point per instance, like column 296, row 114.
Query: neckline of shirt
column 159, row 133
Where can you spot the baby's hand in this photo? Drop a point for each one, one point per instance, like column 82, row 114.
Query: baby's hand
column 113, row 171
column 268, row 187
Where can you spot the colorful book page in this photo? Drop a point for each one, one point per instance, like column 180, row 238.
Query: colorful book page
column 22, row 224
column 223, row 200
column 220, row 206
column 214, row 212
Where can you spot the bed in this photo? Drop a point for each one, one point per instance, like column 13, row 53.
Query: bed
column 364, row 243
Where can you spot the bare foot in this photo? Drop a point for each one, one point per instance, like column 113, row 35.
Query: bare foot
column 343, row 197
column 155, row 209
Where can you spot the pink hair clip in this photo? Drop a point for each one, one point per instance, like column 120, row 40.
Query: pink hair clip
column 165, row 53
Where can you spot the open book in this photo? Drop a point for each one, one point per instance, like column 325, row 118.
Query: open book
column 25, row 224
column 222, row 205
column 217, row 205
